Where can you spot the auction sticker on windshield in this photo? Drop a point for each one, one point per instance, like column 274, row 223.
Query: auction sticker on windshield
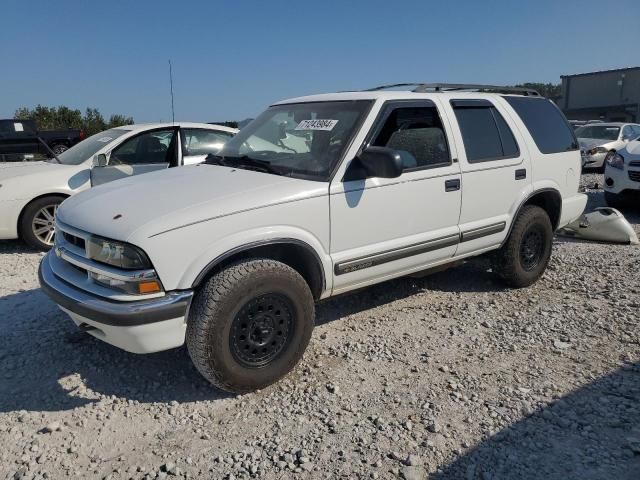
column 318, row 124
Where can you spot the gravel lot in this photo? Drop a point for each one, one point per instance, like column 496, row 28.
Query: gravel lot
column 450, row 376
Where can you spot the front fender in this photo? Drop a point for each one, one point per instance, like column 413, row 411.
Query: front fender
column 252, row 238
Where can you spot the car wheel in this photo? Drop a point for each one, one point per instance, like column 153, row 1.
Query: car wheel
column 249, row 324
column 37, row 224
column 618, row 201
column 524, row 257
column 60, row 148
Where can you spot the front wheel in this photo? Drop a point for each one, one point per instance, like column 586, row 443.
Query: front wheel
column 524, row 257
column 37, row 224
column 250, row 324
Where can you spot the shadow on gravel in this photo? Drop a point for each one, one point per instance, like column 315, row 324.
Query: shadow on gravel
column 47, row 364
column 592, row 433
column 472, row 276
column 9, row 247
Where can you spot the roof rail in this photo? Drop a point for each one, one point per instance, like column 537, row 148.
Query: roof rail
column 441, row 87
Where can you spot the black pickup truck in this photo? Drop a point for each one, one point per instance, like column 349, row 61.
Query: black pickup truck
column 20, row 137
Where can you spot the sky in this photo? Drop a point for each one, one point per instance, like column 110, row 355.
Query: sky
column 231, row 59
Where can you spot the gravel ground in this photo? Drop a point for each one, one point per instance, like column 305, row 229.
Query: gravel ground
column 450, row 376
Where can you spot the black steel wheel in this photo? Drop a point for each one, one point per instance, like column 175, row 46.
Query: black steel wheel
column 261, row 330
column 532, row 247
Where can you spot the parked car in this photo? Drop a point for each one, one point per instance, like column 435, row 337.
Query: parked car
column 20, row 137
column 318, row 196
column 575, row 124
column 622, row 177
column 597, row 140
column 30, row 192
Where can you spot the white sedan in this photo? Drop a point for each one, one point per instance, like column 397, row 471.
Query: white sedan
column 30, row 192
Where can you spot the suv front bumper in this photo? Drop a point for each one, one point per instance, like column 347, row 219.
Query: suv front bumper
column 141, row 326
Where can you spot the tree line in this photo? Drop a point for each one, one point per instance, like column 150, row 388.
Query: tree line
column 48, row 118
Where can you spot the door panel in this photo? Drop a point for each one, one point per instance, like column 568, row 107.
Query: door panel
column 100, row 175
column 490, row 186
column 381, row 228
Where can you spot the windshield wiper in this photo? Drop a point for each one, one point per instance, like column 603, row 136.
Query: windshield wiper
column 213, row 159
column 249, row 163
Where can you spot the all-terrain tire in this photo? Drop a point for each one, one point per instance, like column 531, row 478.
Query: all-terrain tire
column 524, row 257
column 225, row 311
column 33, row 234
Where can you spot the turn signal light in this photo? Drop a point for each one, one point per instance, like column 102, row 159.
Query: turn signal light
column 148, row 287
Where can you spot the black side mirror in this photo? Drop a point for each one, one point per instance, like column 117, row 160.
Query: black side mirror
column 381, row 162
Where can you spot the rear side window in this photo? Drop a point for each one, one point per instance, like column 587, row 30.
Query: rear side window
column 546, row 124
column 485, row 133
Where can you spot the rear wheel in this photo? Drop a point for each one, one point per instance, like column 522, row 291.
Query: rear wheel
column 59, row 148
column 250, row 324
column 524, row 257
column 37, row 224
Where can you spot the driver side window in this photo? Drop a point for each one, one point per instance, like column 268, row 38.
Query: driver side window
column 147, row 148
column 417, row 134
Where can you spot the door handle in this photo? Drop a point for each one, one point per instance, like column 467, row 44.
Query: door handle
column 521, row 174
column 452, row 185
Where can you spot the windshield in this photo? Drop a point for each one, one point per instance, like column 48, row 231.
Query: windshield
column 303, row 140
column 87, row 148
column 602, row 132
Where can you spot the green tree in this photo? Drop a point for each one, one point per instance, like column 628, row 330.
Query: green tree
column 91, row 122
column 118, row 120
column 67, row 118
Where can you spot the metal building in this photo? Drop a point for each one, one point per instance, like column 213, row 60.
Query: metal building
column 610, row 95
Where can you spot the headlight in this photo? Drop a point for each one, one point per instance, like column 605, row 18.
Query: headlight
column 596, row 150
column 117, row 254
column 615, row 160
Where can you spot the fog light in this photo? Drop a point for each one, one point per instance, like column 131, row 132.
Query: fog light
column 609, row 181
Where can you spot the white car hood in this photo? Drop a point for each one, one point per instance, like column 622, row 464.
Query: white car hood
column 20, row 169
column 147, row 205
column 587, row 143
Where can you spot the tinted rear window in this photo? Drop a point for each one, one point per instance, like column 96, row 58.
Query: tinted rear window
column 485, row 133
column 545, row 123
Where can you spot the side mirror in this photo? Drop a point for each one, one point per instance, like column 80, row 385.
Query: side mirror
column 381, row 162
column 100, row 160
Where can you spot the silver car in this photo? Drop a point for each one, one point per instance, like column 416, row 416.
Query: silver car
column 598, row 139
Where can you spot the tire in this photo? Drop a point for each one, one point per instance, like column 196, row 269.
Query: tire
column 524, row 257
column 247, row 304
column 37, row 216
column 618, row 201
column 59, row 148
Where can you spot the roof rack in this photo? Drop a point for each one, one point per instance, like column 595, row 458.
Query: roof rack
column 441, row 87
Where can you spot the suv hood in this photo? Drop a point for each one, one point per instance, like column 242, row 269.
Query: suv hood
column 154, row 203
column 633, row 149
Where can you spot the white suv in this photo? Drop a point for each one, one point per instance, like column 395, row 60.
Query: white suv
column 318, row 196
